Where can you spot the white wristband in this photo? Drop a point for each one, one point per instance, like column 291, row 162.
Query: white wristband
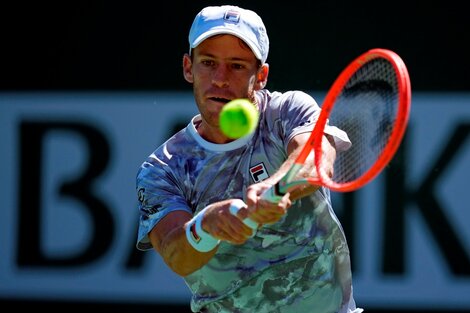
column 235, row 206
column 197, row 237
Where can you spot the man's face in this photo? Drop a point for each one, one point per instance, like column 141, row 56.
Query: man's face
column 222, row 68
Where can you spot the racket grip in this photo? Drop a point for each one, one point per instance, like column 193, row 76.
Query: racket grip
column 238, row 204
column 272, row 194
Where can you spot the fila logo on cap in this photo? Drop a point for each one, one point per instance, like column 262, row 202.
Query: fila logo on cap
column 258, row 173
column 232, row 16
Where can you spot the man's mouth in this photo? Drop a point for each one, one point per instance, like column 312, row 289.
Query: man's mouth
column 217, row 99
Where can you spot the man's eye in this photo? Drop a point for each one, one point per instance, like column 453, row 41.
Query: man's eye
column 237, row 66
column 207, row 62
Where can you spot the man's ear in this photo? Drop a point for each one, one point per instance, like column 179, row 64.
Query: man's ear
column 187, row 68
column 262, row 77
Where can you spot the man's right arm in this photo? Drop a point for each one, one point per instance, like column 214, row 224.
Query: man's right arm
column 168, row 237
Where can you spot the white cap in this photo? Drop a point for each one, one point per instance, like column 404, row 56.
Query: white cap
column 233, row 20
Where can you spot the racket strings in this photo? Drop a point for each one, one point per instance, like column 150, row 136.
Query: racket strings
column 366, row 110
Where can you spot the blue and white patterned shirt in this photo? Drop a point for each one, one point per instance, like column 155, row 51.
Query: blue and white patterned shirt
column 299, row 264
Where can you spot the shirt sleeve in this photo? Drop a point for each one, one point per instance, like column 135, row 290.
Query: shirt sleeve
column 157, row 197
column 301, row 112
column 342, row 142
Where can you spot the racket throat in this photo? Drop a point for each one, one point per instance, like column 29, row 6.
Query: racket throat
column 279, row 189
column 289, row 182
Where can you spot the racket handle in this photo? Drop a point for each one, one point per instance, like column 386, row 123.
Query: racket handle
column 272, row 194
column 238, row 204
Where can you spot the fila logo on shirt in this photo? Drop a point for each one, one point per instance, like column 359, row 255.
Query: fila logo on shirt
column 258, row 172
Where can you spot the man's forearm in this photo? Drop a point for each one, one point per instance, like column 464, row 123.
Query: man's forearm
column 180, row 256
column 169, row 239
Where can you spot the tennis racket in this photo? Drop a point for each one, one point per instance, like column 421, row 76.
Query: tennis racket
column 370, row 101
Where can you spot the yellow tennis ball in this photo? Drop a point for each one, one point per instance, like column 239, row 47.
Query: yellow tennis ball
column 238, row 118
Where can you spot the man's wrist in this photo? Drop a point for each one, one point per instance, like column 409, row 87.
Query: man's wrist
column 197, row 237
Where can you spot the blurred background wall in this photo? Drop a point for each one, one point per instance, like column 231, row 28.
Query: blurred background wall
column 89, row 89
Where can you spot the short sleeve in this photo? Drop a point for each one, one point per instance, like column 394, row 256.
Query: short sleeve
column 157, row 197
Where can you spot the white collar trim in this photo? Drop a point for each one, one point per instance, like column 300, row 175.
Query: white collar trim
column 240, row 142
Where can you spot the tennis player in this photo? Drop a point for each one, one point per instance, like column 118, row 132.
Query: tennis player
column 289, row 256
